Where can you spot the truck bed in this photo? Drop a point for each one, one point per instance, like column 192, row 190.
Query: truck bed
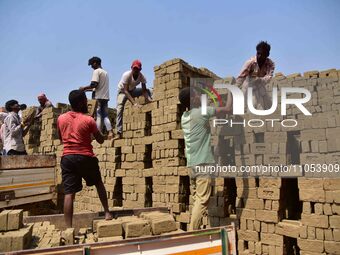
column 26, row 179
column 213, row 241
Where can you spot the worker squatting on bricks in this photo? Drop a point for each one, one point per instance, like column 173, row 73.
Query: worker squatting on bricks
column 78, row 160
column 127, row 91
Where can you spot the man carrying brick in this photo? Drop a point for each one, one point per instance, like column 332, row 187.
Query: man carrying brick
column 100, row 85
column 198, row 151
column 257, row 73
column 127, row 91
column 78, row 161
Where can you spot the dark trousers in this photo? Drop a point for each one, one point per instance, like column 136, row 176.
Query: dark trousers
column 14, row 152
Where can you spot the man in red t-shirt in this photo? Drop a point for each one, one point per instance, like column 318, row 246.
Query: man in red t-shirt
column 78, row 160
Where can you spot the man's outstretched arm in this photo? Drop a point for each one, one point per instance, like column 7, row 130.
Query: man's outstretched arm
column 99, row 137
column 145, row 93
column 244, row 73
column 90, row 87
column 128, row 95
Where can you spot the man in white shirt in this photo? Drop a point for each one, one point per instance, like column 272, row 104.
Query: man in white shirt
column 127, row 91
column 14, row 130
column 3, row 115
column 100, row 87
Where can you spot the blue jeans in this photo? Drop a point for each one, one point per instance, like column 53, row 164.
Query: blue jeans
column 121, row 100
column 103, row 115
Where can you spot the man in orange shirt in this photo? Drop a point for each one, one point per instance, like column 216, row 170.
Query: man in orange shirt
column 78, row 160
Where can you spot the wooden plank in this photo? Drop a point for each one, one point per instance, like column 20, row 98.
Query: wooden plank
column 29, row 171
column 32, row 191
column 27, row 161
column 25, row 179
column 27, row 200
column 27, row 185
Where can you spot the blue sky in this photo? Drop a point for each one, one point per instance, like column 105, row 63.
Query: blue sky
column 45, row 44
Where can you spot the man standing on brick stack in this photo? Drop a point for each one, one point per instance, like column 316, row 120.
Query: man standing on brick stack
column 100, row 87
column 197, row 136
column 78, row 160
column 127, row 91
column 256, row 73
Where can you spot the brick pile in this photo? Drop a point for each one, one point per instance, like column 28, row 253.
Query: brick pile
column 292, row 215
column 171, row 183
column 32, row 138
column 133, row 154
column 46, row 235
column 49, row 141
column 14, row 235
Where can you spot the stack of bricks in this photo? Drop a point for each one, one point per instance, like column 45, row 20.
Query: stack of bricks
column 14, row 235
column 133, row 154
column 278, row 218
column 147, row 224
column 320, row 219
column 258, row 211
column 292, row 215
column 46, row 235
column 263, row 145
column 49, row 134
column 32, row 138
column 221, row 207
column 319, row 136
column 171, row 186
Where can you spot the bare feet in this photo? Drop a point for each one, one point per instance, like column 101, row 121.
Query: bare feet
column 108, row 216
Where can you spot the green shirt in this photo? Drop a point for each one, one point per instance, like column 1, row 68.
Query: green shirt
column 197, row 136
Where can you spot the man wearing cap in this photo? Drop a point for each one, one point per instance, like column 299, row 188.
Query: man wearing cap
column 127, row 91
column 100, row 87
column 44, row 103
column 14, row 130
